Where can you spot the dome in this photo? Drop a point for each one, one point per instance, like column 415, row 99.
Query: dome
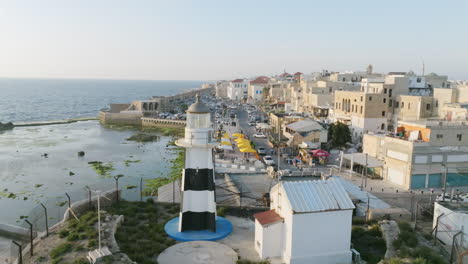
column 198, row 107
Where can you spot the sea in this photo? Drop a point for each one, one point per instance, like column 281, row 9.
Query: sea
column 27, row 100
column 28, row 177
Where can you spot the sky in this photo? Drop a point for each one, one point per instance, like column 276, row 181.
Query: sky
column 227, row 39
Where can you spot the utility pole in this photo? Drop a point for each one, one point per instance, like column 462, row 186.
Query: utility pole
column 365, row 173
column 445, row 180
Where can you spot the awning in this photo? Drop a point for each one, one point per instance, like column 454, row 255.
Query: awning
column 226, row 143
column 249, row 150
column 238, row 135
column 309, row 144
column 225, row 147
column 320, row 153
column 360, row 158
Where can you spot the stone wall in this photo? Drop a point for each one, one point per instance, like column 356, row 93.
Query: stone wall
column 120, row 118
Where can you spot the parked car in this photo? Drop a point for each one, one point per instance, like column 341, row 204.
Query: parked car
column 251, row 123
column 261, row 151
column 259, row 135
column 269, row 161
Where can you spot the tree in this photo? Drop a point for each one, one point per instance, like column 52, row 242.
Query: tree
column 339, row 134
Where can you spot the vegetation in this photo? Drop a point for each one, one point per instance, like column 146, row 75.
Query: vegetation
column 221, row 211
column 339, row 134
column 166, row 131
column 407, row 246
column 143, row 137
column 60, row 250
column 142, row 235
column 369, row 243
column 102, row 169
column 175, row 173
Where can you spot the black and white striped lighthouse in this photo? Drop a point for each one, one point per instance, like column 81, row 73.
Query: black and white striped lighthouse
column 198, row 207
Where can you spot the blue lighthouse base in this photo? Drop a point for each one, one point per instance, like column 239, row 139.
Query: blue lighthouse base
column 223, row 229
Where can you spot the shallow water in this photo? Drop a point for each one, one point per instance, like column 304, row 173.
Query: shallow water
column 34, row 178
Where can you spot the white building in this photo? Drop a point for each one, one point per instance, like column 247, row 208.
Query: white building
column 256, row 88
column 238, row 89
column 309, row 223
column 451, row 220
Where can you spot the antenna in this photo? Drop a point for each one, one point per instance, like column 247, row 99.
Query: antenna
column 423, row 68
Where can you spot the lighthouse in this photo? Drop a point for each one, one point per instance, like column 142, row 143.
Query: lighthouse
column 198, row 206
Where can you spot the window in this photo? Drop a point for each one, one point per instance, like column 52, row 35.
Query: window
column 385, row 90
column 361, row 98
column 382, row 127
column 370, row 98
column 390, row 102
column 437, row 103
column 459, row 136
column 428, row 106
column 344, row 79
column 390, row 92
column 397, row 104
column 384, row 100
column 402, row 104
column 361, row 109
column 439, row 136
column 383, row 113
column 330, row 90
column 418, row 80
column 409, row 105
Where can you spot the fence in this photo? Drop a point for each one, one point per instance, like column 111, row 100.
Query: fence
column 48, row 215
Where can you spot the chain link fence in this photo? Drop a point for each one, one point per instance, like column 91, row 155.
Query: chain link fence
column 46, row 216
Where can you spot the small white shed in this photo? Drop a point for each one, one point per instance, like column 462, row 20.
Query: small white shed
column 309, row 223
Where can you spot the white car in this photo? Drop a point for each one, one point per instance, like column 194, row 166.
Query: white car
column 259, row 135
column 261, row 151
column 269, row 160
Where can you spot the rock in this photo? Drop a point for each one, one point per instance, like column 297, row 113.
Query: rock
column 6, row 126
column 390, row 232
column 81, row 153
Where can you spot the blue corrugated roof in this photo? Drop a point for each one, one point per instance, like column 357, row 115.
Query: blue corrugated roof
column 317, row 196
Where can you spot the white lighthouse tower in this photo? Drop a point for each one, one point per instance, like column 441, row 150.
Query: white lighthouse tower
column 198, row 207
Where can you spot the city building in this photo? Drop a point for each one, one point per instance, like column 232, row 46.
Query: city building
column 256, row 87
column 238, row 89
column 422, row 154
column 449, row 222
column 308, row 222
column 304, row 130
column 277, row 120
column 362, row 112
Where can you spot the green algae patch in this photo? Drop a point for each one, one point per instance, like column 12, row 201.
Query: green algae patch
column 102, row 169
column 143, row 137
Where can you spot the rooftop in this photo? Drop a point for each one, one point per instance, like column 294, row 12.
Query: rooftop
column 198, row 107
column 305, row 126
column 268, row 217
column 317, row 196
column 260, row 80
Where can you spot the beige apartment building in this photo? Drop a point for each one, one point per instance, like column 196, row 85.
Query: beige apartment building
column 277, row 120
column 422, row 154
column 363, row 112
column 412, row 107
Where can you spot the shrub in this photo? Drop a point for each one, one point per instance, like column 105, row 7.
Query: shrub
column 374, row 230
column 80, row 261
column 359, row 221
column 92, row 243
column 221, row 211
column 41, row 259
column 57, row 260
column 63, row 233
column 73, row 236
column 61, row 250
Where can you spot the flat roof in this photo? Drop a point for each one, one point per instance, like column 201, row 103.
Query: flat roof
column 360, row 158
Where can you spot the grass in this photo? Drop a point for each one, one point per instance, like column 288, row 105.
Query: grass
column 141, row 236
column 61, row 250
column 369, row 243
column 408, row 246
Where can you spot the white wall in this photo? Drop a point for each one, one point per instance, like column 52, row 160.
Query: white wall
column 321, row 237
column 450, row 224
column 200, row 158
column 269, row 240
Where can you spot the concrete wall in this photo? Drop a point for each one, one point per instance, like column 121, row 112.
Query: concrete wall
column 267, row 243
column 120, row 118
column 321, row 237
